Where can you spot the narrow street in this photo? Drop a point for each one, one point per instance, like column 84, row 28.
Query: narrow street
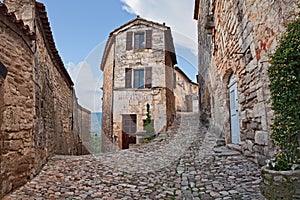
column 179, row 164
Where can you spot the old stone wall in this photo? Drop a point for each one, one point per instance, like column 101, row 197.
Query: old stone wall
column 184, row 90
column 235, row 38
column 154, row 64
column 54, row 103
column 17, row 108
column 107, row 144
column 36, row 110
column 81, row 126
column 154, row 57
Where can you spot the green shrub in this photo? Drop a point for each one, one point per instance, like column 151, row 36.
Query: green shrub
column 148, row 126
column 284, row 75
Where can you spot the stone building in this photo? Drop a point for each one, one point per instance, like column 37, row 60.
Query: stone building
column 185, row 91
column 138, row 65
column 36, row 95
column 235, row 39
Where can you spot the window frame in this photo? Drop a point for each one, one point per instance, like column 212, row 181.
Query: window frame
column 139, row 83
column 139, row 41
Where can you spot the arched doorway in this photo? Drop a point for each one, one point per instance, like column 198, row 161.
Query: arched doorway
column 234, row 111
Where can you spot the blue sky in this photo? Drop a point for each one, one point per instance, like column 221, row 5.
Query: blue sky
column 81, row 28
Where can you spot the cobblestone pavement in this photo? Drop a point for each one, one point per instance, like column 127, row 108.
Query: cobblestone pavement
column 179, row 164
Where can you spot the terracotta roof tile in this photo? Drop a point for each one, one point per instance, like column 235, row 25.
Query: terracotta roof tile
column 41, row 11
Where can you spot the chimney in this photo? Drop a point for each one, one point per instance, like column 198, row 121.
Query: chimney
column 23, row 9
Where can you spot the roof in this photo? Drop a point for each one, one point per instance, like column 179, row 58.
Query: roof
column 42, row 14
column 111, row 39
column 18, row 22
column 184, row 75
column 196, row 9
column 138, row 20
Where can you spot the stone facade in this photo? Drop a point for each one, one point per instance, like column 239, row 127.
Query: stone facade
column 186, row 92
column 82, row 125
column 235, row 38
column 135, row 76
column 36, row 110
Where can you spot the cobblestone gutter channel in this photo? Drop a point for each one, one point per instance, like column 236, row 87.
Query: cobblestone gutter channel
column 179, row 164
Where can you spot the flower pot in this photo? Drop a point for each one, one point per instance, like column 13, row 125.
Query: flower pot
column 280, row 184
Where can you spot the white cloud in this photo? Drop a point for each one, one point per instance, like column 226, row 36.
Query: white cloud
column 87, row 79
column 87, row 85
column 178, row 14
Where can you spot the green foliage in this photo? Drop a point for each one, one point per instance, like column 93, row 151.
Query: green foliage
column 284, row 75
column 148, row 126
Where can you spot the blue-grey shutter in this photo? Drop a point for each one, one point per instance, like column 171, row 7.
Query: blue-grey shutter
column 129, row 40
column 148, row 39
column 128, row 77
column 148, row 77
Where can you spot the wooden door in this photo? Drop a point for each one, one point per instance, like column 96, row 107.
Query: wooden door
column 128, row 128
column 234, row 111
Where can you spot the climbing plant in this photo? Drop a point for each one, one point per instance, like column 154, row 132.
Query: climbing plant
column 284, row 75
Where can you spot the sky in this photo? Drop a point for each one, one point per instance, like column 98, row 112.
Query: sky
column 80, row 31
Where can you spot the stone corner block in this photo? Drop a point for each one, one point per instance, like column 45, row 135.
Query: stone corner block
column 261, row 137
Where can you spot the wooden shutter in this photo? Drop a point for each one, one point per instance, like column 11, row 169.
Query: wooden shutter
column 128, row 77
column 148, row 39
column 129, row 41
column 148, row 77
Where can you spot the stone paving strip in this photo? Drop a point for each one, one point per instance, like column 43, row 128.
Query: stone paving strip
column 179, row 164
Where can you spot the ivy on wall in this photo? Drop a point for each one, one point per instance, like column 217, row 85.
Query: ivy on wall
column 284, row 75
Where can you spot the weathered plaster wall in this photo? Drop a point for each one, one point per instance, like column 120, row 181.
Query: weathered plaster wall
column 153, row 57
column 184, row 91
column 134, row 101
column 243, row 36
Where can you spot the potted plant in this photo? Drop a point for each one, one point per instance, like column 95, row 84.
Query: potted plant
column 281, row 176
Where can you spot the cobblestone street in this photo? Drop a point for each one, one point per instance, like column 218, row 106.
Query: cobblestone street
column 179, row 164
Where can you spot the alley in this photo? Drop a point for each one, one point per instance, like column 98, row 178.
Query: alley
column 179, row 164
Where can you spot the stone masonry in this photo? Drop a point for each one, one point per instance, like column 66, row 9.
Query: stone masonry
column 37, row 96
column 235, row 39
column 156, row 65
column 185, row 92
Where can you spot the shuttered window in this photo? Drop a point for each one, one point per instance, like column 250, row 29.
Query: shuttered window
column 142, row 78
column 139, row 78
column 129, row 41
column 128, row 77
column 139, row 41
column 148, row 39
column 148, row 77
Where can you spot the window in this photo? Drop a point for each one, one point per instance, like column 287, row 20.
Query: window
column 139, row 78
column 139, row 41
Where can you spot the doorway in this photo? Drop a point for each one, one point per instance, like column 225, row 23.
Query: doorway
column 128, row 130
column 234, row 111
